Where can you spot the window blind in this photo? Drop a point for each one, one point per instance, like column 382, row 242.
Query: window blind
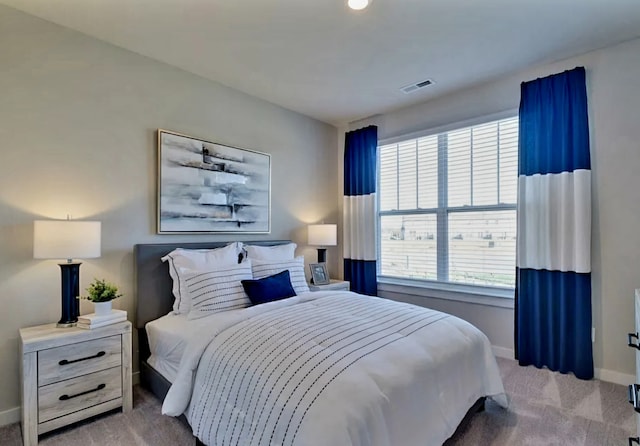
column 447, row 206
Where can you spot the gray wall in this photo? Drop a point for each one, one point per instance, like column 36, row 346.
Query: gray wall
column 78, row 121
column 613, row 77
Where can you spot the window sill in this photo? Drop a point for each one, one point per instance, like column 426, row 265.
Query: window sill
column 493, row 297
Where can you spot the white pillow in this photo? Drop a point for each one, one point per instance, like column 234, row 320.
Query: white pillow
column 263, row 268
column 198, row 259
column 278, row 252
column 213, row 291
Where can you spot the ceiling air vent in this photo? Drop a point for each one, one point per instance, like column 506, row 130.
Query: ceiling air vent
column 417, row 86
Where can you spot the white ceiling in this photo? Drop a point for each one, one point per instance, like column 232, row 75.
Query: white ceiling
column 321, row 59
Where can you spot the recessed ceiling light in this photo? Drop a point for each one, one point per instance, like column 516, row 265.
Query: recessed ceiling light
column 358, row 4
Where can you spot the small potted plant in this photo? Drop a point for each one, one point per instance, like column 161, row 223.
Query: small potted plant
column 101, row 293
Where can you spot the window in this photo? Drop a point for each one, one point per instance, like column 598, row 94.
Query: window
column 447, row 209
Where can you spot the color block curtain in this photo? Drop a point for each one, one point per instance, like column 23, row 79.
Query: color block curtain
column 553, row 284
column 360, row 152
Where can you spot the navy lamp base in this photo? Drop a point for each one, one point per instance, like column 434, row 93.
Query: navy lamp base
column 70, row 291
column 322, row 255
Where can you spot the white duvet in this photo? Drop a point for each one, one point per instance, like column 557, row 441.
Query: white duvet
column 332, row 368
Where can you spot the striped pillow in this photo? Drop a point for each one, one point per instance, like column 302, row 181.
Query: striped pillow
column 196, row 259
column 262, row 268
column 217, row 290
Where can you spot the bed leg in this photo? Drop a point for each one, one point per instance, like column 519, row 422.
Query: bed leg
column 481, row 406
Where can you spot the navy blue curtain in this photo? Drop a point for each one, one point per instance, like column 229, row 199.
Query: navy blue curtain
column 360, row 163
column 553, row 283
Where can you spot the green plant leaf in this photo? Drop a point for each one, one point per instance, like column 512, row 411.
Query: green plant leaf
column 102, row 291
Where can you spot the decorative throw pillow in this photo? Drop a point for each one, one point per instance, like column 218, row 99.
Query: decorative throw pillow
column 262, row 268
column 216, row 290
column 270, row 288
column 196, row 259
column 271, row 253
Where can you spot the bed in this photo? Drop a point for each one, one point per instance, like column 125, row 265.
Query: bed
column 319, row 368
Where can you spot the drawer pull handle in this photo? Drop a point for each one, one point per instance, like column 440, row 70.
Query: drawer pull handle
column 635, row 440
column 630, row 343
column 633, row 396
column 68, row 397
column 67, row 362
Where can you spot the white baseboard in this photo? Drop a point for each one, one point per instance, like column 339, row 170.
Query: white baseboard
column 614, row 377
column 610, row 376
column 502, row 352
column 10, row 416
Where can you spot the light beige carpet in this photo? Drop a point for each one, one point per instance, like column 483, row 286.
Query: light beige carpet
column 547, row 408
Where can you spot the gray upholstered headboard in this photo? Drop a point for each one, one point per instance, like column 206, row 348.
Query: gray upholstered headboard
column 153, row 283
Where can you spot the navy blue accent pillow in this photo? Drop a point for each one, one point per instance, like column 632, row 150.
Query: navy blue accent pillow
column 270, row 288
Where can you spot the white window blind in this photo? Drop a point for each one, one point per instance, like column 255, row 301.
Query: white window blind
column 447, row 209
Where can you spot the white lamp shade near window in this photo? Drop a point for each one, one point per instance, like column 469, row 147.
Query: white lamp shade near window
column 323, row 235
column 66, row 239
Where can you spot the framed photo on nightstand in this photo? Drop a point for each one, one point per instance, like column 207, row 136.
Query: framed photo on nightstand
column 319, row 273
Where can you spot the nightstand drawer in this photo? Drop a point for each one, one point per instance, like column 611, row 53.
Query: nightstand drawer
column 65, row 397
column 60, row 363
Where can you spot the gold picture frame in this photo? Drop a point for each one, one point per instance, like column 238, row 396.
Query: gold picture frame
column 206, row 187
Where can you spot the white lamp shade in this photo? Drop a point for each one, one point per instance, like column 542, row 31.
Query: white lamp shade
column 323, row 235
column 66, row 239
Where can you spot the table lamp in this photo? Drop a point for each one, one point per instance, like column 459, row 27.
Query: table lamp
column 67, row 239
column 323, row 235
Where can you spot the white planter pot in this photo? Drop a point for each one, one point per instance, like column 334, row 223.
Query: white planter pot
column 102, row 308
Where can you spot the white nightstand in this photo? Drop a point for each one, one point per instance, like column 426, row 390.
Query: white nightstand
column 333, row 285
column 69, row 374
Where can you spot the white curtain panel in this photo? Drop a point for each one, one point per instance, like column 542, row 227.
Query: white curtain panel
column 554, row 221
column 359, row 215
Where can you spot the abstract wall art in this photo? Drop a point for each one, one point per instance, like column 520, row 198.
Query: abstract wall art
column 206, row 187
